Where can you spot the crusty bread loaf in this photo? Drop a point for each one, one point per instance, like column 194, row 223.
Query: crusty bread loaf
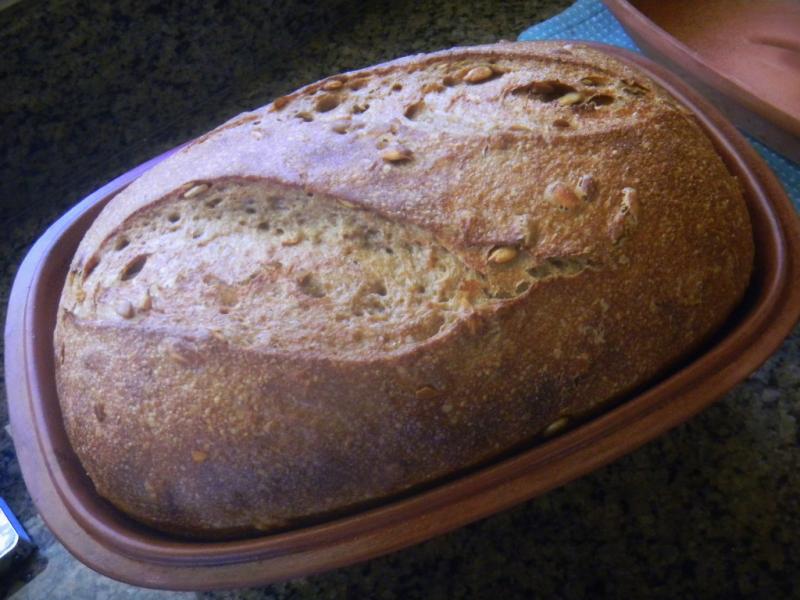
column 386, row 277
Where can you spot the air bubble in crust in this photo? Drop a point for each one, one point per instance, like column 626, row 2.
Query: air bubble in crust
column 601, row 99
column 133, row 268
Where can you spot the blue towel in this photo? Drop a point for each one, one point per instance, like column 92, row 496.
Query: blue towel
column 591, row 20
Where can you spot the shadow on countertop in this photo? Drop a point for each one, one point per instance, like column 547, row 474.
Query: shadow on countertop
column 90, row 90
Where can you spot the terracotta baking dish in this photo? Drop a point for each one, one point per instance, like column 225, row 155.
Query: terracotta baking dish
column 743, row 55
column 107, row 541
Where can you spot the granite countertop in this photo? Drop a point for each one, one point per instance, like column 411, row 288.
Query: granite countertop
column 712, row 509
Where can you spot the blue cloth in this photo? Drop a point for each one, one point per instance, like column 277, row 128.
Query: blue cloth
column 591, row 20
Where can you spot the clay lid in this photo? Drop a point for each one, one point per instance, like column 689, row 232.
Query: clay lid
column 745, row 56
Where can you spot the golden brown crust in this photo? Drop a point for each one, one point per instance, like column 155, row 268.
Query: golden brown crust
column 632, row 241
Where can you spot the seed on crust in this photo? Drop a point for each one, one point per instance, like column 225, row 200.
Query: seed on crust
column 587, row 188
column 634, row 87
column 124, row 309
column 593, row 81
column 626, row 218
column 478, row 74
column 145, row 301
column 199, row 456
column 570, row 99
column 396, row 154
column 427, row 392
column 195, row 190
column 556, row 426
column 630, row 204
column 561, row 195
column 333, row 84
column 503, row 254
column 293, row 239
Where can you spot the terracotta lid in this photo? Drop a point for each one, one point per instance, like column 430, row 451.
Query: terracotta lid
column 99, row 535
column 743, row 55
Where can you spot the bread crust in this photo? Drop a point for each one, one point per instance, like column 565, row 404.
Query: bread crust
column 633, row 238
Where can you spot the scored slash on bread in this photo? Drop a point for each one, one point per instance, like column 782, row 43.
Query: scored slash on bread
column 389, row 276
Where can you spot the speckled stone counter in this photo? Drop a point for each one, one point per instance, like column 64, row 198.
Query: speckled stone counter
column 711, row 509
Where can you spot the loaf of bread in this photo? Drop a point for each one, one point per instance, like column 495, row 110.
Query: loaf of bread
column 388, row 277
